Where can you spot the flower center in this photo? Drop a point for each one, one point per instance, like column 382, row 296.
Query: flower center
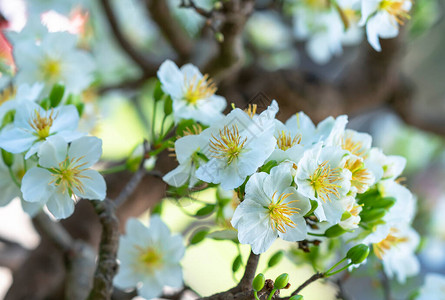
column 229, row 145
column 390, row 241
column 199, row 89
column 317, row 4
column 42, row 124
column 69, row 174
column 395, row 8
column 279, row 212
column 324, row 180
column 51, row 69
column 355, row 147
column 361, row 178
column 285, row 141
column 151, row 258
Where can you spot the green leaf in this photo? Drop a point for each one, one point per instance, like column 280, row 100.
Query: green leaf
column 206, row 210
column 223, row 235
column 56, row 94
column 45, row 103
column 158, row 93
column 372, row 215
column 275, row 259
column 8, row 158
column 237, row 263
column 258, row 282
column 168, row 106
column 198, row 236
column 334, row 231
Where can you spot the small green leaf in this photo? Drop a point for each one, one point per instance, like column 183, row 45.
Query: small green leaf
column 206, row 210
column 45, row 103
column 296, row 297
column 56, row 94
column 8, row 158
column 158, row 93
column 198, row 236
column 258, row 282
column 372, row 215
column 334, row 231
column 237, row 263
column 275, row 259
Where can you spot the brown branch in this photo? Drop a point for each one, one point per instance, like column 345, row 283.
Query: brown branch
column 54, row 231
column 12, row 254
column 171, row 30
column 107, row 263
column 230, row 56
column 245, row 283
column 312, row 279
column 125, row 44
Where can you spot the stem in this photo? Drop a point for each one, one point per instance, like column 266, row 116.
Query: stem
column 339, row 270
column 153, row 121
column 114, row 169
column 334, row 266
column 13, row 177
column 313, row 278
column 315, row 234
column 271, row 294
column 255, row 293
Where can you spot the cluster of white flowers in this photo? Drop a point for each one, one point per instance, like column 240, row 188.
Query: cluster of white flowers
column 329, row 24
column 284, row 173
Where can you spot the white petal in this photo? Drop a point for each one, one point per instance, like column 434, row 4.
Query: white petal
column 170, row 275
column 66, row 118
column 52, row 152
column 60, row 204
column 171, row 78
column 35, row 185
column 126, row 278
column 254, row 188
column 151, row 288
column 87, row 149
column 93, row 186
column 16, row 140
column 191, row 72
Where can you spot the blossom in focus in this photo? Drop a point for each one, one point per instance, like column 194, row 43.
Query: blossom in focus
column 63, row 173
column 320, row 177
column 54, row 59
column 271, row 208
column 237, row 146
column 383, row 18
column 149, row 258
column 433, row 288
column 193, row 94
column 351, row 216
column 33, row 125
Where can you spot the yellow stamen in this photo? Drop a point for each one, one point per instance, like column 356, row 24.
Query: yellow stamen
column 317, row 4
column 361, row 177
column 193, row 130
column 280, row 212
column 69, row 174
column 229, row 144
column 355, row 147
column 42, row 124
column 285, row 141
column 395, row 8
column 199, row 89
column 324, row 180
column 7, row 94
column 251, row 110
column 387, row 243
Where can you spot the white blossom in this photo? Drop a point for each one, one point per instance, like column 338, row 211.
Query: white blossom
column 64, row 172
column 149, row 258
column 271, row 208
column 433, row 288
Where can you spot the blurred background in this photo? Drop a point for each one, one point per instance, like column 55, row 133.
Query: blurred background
column 398, row 96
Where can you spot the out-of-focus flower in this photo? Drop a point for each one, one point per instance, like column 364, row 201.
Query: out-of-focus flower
column 149, row 258
column 33, row 125
column 383, row 18
column 192, row 93
column 12, row 96
column 271, row 209
column 53, row 60
column 351, row 216
column 433, row 288
column 64, row 172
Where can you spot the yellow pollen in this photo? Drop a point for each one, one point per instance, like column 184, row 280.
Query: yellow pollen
column 51, row 69
column 361, row 178
column 280, row 212
column 199, row 89
column 151, row 258
column 229, row 144
column 387, row 243
column 285, row 141
column 251, row 110
column 7, row 94
column 68, row 174
column 355, row 147
column 42, row 124
column 317, row 4
column 395, row 8
column 324, row 180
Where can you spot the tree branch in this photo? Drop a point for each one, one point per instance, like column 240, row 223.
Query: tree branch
column 245, row 283
column 54, row 231
column 171, row 30
column 312, row 279
column 128, row 48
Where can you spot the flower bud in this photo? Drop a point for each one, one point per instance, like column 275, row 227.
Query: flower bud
column 219, row 37
column 237, row 263
column 334, row 231
column 358, row 253
column 281, row 281
column 258, row 282
column 45, row 103
column 217, row 5
column 275, row 259
column 168, row 106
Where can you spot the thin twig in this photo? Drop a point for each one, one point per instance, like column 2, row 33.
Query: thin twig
column 312, row 279
column 128, row 48
column 386, row 286
column 134, row 181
